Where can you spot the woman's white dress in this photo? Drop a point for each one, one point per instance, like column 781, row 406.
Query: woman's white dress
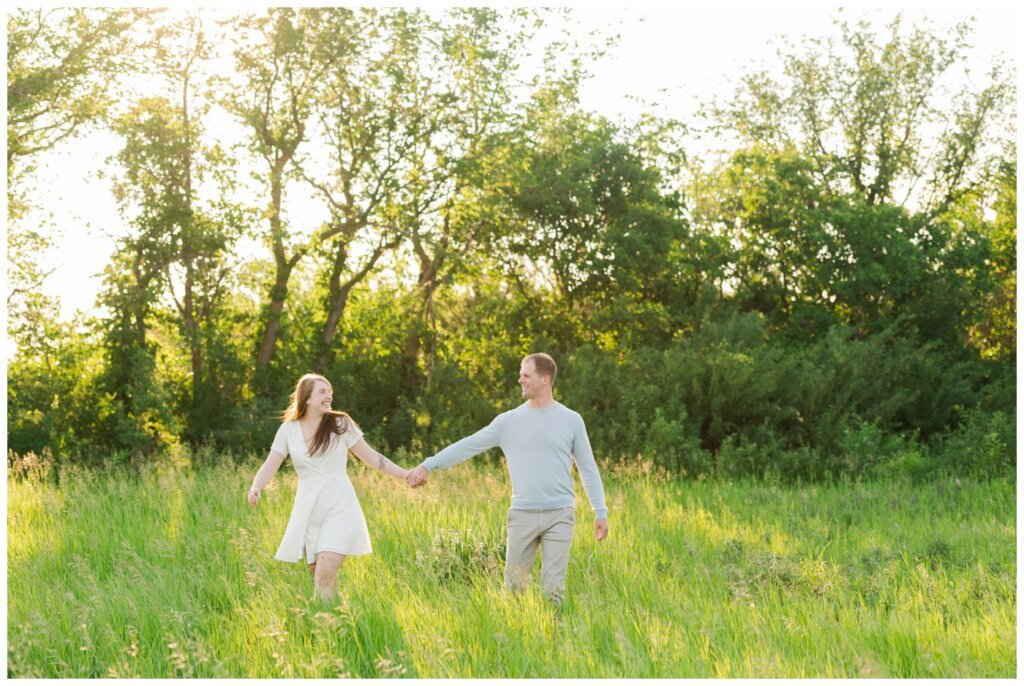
column 326, row 515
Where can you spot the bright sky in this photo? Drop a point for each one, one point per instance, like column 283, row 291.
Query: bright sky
column 680, row 57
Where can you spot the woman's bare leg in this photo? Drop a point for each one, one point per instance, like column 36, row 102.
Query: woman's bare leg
column 325, row 575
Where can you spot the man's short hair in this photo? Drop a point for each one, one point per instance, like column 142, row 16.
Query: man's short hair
column 544, row 364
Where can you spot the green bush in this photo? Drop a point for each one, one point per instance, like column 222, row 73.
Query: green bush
column 460, row 557
column 726, row 396
column 983, row 445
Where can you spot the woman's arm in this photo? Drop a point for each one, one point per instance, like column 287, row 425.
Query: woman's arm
column 364, row 452
column 264, row 475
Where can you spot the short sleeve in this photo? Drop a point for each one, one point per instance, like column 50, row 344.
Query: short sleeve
column 352, row 434
column 281, row 440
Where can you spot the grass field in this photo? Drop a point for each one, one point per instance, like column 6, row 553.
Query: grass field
column 171, row 574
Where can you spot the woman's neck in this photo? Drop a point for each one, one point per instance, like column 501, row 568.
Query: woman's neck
column 311, row 419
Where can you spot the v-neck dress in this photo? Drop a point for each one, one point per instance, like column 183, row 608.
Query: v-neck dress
column 326, row 516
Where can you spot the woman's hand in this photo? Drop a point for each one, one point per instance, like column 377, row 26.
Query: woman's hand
column 266, row 473
column 417, row 476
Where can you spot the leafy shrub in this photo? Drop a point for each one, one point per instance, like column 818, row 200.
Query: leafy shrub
column 983, row 445
column 763, row 571
column 460, row 557
column 864, row 446
column 675, row 447
column 725, row 394
column 909, row 464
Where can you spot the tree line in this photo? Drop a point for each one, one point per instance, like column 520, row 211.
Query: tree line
column 825, row 289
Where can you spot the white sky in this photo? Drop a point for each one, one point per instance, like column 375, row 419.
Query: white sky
column 680, row 57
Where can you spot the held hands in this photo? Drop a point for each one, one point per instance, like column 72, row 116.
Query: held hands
column 417, row 477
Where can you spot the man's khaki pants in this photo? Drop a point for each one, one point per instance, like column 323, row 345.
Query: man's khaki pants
column 551, row 530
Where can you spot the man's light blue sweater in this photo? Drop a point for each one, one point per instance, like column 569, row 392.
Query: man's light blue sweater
column 539, row 447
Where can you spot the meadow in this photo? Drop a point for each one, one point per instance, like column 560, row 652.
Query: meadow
column 168, row 572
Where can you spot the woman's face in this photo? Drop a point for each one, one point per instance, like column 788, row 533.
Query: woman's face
column 320, row 398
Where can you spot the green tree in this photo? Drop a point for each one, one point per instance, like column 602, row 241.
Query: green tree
column 994, row 332
column 62, row 64
column 184, row 225
column 593, row 219
column 370, row 114
column 875, row 117
column 843, row 196
column 272, row 93
column 471, row 91
column 143, row 422
column 54, row 401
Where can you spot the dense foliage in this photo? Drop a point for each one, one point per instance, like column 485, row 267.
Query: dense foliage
column 832, row 293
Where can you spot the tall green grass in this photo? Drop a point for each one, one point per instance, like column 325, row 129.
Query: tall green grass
column 169, row 573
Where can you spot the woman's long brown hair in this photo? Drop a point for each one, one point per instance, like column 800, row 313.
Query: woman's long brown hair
column 333, row 423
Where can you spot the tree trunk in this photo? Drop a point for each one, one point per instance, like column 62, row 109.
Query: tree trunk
column 338, row 292
column 426, row 284
column 272, row 324
column 337, row 297
column 284, row 266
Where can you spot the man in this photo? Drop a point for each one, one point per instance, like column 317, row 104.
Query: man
column 540, row 440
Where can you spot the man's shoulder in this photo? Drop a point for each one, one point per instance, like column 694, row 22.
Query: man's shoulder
column 517, row 415
column 568, row 411
column 503, row 416
column 521, row 408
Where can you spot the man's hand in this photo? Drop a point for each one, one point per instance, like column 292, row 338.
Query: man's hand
column 417, row 477
column 600, row 529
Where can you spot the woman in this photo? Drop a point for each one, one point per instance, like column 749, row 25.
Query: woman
column 326, row 519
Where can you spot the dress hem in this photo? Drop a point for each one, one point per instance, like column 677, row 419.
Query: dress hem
column 303, row 559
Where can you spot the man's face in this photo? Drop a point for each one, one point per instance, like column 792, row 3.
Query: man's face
column 529, row 381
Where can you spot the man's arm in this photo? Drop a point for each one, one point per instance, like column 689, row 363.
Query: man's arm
column 460, row 451
column 591, row 478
